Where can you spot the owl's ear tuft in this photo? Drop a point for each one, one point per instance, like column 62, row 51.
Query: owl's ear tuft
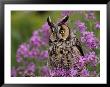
column 64, row 20
column 49, row 22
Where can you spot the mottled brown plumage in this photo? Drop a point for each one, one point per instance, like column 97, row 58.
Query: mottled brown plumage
column 64, row 47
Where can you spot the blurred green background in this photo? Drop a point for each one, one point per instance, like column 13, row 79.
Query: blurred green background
column 23, row 23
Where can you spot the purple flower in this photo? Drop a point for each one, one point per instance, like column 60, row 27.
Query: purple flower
column 57, row 72
column 23, row 51
column 41, row 36
column 28, row 74
column 90, row 15
column 29, row 71
column 20, row 70
column 82, row 61
column 45, row 71
column 81, row 26
column 18, row 58
column 84, row 73
column 13, row 72
column 43, row 55
column 45, row 33
column 90, row 39
column 31, row 67
column 92, row 58
column 35, row 41
column 33, row 53
column 89, row 58
column 25, row 71
column 45, row 26
column 74, row 72
column 97, row 25
column 36, row 33
column 60, row 72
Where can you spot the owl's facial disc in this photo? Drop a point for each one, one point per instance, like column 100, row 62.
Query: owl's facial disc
column 53, row 34
column 58, row 31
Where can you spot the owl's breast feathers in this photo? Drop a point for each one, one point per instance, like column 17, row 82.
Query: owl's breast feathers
column 65, row 53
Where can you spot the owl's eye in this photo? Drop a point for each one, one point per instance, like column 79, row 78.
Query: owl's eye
column 62, row 31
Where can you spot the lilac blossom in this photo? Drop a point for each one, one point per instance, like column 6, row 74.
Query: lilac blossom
column 35, row 33
column 45, row 71
column 90, row 15
column 74, row 72
column 97, row 25
column 20, row 70
column 45, row 33
column 35, row 41
column 19, row 58
column 60, row 72
column 33, row 53
column 44, row 54
column 89, row 39
column 26, row 71
column 81, row 26
column 29, row 70
column 89, row 58
column 84, row 73
column 92, row 58
column 31, row 67
column 81, row 61
column 23, row 51
column 45, row 26
column 13, row 72
column 28, row 74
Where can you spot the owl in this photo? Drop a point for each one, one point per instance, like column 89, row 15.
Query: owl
column 64, row 47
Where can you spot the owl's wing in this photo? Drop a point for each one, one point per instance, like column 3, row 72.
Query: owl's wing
column 78, row 45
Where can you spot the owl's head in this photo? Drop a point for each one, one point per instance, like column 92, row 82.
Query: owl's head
column 59, row 31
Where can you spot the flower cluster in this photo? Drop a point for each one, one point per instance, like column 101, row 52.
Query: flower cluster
column 33, row 49
column 25, row 71
column 81, row 26
column 97, row 25
column 79, row 69
column 88, row 58
column 90, row 15
column 90, row 39
column 45, row 71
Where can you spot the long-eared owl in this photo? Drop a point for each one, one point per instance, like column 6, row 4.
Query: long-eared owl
column 64, row 47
